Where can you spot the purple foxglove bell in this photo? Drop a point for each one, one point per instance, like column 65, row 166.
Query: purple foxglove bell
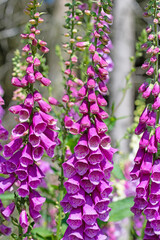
column 75, row 218
column 12, row 147
column 140, row 128
column 144, row 139
column 107, row 167
column 105, row 216
column 135, row 173
column 23, row 219
column 36, row 200
column 7, row 212
column 104, row 189
column 22, row 173
column 26, row 158
column 91, row 230
column 142, row 188
column 3, row 133
column 69, row 168
column 13, row 162
column 91, row 83
column 81, row 149
column 76, row 234
column 38, row 124
column 20, row 129
column 93, row 138
column 29, row 101
column 152, row 119
column 139, row 156
column 75, row 128
column 83, row 107
column 149, row 230
column 91, row 96
column 78, row 199
column 33, row 138
column 158, row 134
column 6, row 183
column 101, row 204
column 81, row 166
column 68, row 122
column 67, row 207
column 45, row 81
column 24, row 114
column 101, row 127
column 45, row 107
column 6, row 231
column 155, row 177
column 101, row 100
column 89, row 213
column 72, row 184
column 154, row 196
column 105, row 140
column 34, row 176
column 141, row 202
column 151, row 211
column 48, row 145
column 15, row 109
column 82, row 92
column 94, row 108
column 155, row 224
column 48, row 118
column 95, row 174
column 34, row 214
column 152, row 146
column 37, row 153
column 87, row 185
column 95, row 157
column 144, row 116
column 146, row 166
column 85, row 121
column 23, row 190
column 37, row 96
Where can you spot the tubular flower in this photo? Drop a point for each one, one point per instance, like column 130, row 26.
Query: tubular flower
column 88, row 168
column 32, row 136
column 147, row 161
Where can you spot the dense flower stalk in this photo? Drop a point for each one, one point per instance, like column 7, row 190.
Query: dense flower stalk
column 32, row 136
column 88, row 168
column 146, row 167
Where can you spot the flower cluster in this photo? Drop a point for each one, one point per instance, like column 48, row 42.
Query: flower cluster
column 34, row 134
column 88, row 168
column 147, row 162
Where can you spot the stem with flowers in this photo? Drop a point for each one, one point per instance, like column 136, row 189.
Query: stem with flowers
column 147, row 163
column 88, row 168
column 34, row 134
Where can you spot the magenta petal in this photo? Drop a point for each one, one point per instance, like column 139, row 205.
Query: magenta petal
column 91, row 231
column 65, row 204
column 6, row 213
column 75, row 218
column 23, row 219
column 81, row 166
column 72, row 184
column 77, row 199
column 26, row 158
column 68, row 167
column 11, row 147
column 81, row 149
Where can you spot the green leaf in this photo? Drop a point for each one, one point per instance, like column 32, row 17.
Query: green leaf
column 117, row 172
column 42, row 232
column 121, row 209
column 7, row 196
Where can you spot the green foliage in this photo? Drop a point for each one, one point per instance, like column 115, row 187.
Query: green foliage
column 121, row 209
column 117, row 172
column 141, row 40
column 43, row 233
